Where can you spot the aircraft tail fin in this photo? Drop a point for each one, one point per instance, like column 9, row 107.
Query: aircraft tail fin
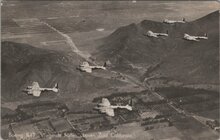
column 206, row 35
column 184, row 19
column 56, row 86
column 130, row 102
column 167, row 32
column 105, row 64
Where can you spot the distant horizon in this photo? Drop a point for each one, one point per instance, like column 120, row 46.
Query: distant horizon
column 119, row 10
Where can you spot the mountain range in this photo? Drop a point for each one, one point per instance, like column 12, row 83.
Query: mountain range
column 128, row 49
column 182, row 60
column 22, row 64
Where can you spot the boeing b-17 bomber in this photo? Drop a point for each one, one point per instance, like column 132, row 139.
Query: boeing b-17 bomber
column 174, row 21
column 36, row 90
column 85, row 67
column 156, row 35
column 194, row 38
column 106, row 107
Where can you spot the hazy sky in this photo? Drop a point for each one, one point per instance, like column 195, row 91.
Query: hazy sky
column 118, row 13
column 149, row 9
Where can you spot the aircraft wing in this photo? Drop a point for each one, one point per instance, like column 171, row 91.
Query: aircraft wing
column 110, row 112
column 35, row 85
column 105, row 102
column 89, row 70
column 195, row 39
column 36, row 93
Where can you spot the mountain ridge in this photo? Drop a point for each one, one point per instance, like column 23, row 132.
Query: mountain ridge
column 22, row 64
column 129, row 46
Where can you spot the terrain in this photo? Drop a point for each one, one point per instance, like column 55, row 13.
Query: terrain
column 172, row 83
column 175, row 57
column 22, row 64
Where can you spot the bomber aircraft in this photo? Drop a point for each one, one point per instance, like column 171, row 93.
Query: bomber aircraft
column 85, row 67
column 156, row 35
column 36, row 90
column 174, row 21
column 106, row 107
column 194, row 38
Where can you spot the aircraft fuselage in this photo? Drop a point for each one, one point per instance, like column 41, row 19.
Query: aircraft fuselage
column 194, row 38
column 152, row 34
column 114, row 107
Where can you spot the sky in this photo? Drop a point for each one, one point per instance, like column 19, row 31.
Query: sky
column 152, row 9
column 117, row 13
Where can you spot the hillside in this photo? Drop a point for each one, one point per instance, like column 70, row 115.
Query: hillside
column 22, row 64
column 182, row 60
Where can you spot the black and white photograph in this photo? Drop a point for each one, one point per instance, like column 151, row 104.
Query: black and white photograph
column 109, row 70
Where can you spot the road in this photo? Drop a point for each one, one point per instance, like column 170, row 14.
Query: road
column 68, row 40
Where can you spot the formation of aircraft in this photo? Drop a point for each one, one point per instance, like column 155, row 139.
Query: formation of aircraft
column 194, row 38
column 85, row 67
column 36, row 90
column 174, row 21
column 106, row 107
column 156, row 35
column 186, row 36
